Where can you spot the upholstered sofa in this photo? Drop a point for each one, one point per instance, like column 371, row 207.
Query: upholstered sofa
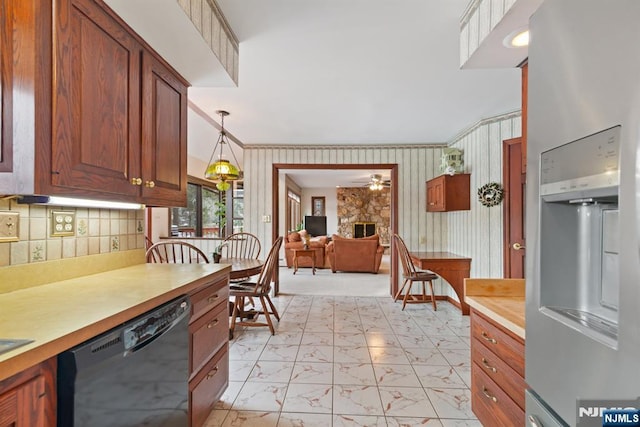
column 294, row 240
column 355, row 255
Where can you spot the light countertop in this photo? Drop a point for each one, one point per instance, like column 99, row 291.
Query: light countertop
column 501, row 300
column 62, row 314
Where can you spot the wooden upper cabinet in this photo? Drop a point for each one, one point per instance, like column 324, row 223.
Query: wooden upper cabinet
column 95, row 119
column 6, row 86
column 103, row 117
column 164, row 134
column 447, row 193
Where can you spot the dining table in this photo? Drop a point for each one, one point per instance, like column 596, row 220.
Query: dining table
column 243, row 267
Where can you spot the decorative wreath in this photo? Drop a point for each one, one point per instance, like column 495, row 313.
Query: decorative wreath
column 490, row 194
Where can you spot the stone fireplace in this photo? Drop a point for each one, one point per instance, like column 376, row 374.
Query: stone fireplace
column 360, row 204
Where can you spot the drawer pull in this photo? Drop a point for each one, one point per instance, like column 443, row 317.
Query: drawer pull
column 212, row 298
column 212, row 373
column 534, row 422
column 488, row 396
column 212, row 324
column 485, row 363
column 488, row 338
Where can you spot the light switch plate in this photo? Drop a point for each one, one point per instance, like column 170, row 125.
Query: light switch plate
column 9, row 226
column 63, row 223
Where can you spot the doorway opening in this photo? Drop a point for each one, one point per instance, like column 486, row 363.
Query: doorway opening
column 393, row 171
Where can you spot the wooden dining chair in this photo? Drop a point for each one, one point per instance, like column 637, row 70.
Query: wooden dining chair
column 260, row 290
column 242, row 245
column 410, row 275
column 175, row 252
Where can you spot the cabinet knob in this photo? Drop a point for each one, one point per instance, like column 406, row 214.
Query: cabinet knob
column 485, row 363
column 212, row 373
column 486, row 337
column 489, row 396
column 149, row 184
column 136, row 181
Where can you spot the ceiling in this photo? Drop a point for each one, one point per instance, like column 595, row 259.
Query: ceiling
column 354, row 72
column 330, row 72
column 322, row 178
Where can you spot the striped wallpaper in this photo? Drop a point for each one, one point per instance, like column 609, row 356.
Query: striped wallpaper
column 475, row 233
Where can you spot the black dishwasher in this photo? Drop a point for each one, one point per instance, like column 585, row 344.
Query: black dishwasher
column 133, row 375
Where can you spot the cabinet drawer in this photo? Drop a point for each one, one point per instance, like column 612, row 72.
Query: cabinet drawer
column 503, row 345
column 208, row 386
column 208, row 334
column 207, row 298
column 506, row 378
column 492, row 406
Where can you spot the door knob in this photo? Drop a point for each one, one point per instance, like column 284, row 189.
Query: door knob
column 517, row 246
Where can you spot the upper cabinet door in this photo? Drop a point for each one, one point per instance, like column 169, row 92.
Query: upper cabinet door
column 164, row 134
column 96, row 104
column 6, row 76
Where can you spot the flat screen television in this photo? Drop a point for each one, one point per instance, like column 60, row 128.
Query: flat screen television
column 316, row 225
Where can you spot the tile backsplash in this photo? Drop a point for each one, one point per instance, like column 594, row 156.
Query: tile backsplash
column 97, row 231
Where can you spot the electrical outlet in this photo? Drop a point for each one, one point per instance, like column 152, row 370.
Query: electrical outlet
column 63, row 223
column 9, row 226
column 423, row 240
column 266, row 218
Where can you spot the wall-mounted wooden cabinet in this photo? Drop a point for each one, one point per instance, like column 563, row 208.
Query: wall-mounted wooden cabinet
column 447, row 193
column 104, row 116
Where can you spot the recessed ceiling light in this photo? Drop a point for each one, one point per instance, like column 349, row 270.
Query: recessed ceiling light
column 517, row 38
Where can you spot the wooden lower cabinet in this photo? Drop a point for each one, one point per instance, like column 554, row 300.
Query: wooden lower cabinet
column 28, row 399
column 497, row 373
column 209, row 349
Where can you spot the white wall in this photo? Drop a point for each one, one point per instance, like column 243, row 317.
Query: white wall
column 478, row 233
column 331, row 205
column 417, row 164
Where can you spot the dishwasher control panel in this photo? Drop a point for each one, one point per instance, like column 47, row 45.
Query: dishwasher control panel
column 155, row 322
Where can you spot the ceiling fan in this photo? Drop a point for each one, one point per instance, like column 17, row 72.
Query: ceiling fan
column 376, row 182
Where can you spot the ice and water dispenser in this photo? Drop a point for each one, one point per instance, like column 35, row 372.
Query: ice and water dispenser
column 579, row 241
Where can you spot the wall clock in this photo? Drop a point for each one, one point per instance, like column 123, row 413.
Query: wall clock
column 490, row 194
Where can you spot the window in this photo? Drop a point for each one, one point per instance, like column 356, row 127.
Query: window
column 204, row 212
column 293, row 217
column 237, row 213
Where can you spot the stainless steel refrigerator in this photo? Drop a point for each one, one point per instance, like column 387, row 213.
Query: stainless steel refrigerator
column 583, row 206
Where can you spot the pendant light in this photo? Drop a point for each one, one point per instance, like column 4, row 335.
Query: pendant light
column 222, row 170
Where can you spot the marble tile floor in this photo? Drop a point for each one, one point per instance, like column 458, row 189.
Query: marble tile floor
column 350, row 361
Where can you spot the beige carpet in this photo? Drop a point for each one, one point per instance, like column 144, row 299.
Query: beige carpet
column 324, row 282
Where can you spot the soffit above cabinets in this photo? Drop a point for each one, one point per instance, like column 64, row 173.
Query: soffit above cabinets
column 484, row 27
column 191, row 35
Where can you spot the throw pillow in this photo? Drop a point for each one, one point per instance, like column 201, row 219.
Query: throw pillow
column 294, row 237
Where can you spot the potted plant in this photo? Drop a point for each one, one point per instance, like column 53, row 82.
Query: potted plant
column 220, row 212
column 217, row 252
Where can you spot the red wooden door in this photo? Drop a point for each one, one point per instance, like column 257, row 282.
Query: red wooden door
column 514, row 208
